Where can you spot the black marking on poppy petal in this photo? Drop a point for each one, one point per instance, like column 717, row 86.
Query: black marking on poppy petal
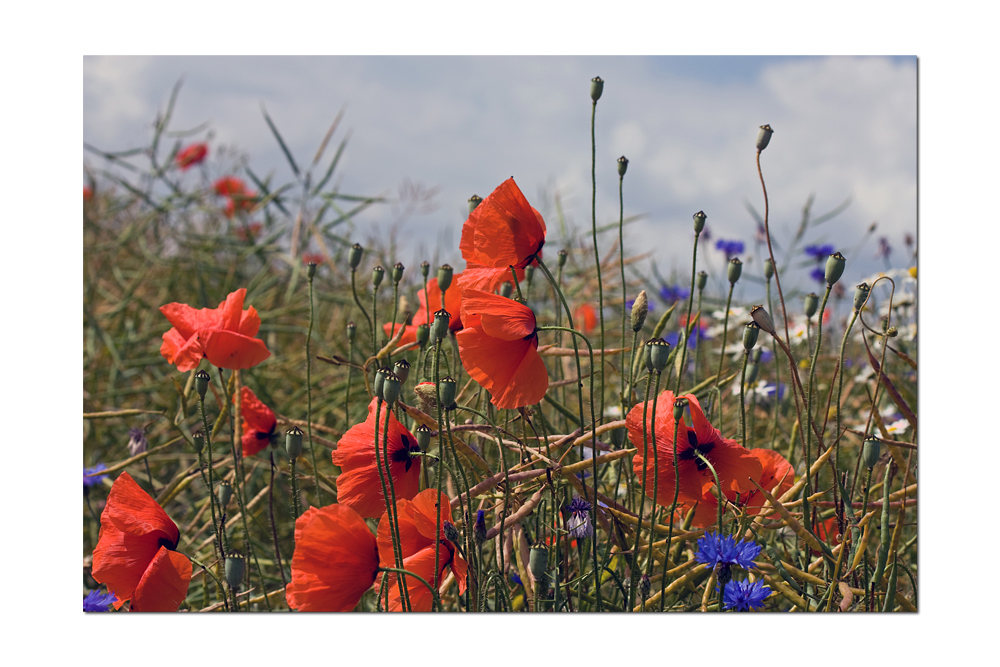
column 164, row 542
column 402, row 455
column 696, row 448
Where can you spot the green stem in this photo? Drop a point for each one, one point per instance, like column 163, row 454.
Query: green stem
column 670, row 517
column 309, row 402
column 683, row 352
column 621, row 264
column 633, row 579
column 743, row 407
column 840, row 385
column 722, row 352
column 597, row 256
column 211, row 479
column 770, row 251
column 407, row 573
column 382, row 473
column 354, row 291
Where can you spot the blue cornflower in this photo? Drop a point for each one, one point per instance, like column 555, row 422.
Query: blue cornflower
column 729, row 247
column 671, row 293
column 578, row 521
column 696, row 334
column 884, row 249
column 715, row 550
column 96, row 479
column 819, row 252
column 479, row 528
column 98, row 601
column 516, row 579
column 818, row 274
column 745, row 595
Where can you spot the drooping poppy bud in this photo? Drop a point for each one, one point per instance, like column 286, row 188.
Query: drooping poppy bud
column 622, row 166
column 354, row 255
column 445, row 272
column 762, row 319
column 224, row 492
column 402, row 369
column 474, row 201
column 699, row 221
column 735, row 269
column 235, row 569
column 377, row 274
column 860, row 296
column 764, row 137
column 750, row 332
column 596, row 88
column 201, row 380
column 397, row 273
column 702, row 280
column 811, row 304
column 293, row 442
column 835, row 268
column 640, row 308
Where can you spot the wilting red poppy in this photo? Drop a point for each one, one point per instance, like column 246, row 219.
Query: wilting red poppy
column 585, row 318
column 418, row 521
column 229, row 186
column 359, row 485
column 258, row 422
column 335, row 560
column 503, row 231
column 135, row 554
column 499, row 349
column 734, row 464
column 191, row 155
column 452, row 303
column 223, row 335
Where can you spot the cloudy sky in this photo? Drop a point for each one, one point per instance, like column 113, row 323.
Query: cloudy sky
column 845, row 128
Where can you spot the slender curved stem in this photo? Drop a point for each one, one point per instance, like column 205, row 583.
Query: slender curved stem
column 642, row 496
column 309, row 398
column 683, row 352
column 597, row 254
column 722, row 352
column 670, row 516
column 770, row 251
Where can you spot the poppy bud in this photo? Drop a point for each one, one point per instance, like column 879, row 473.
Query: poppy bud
column 699, row 221
column 596, row 88
column 763, row 137
column 448, row 389
column 224, row 493
column 201, row 380
column 441, row 321
column 397, row 273
column 750, row 332
column 474, row 201
column 311, row 269
column 871, row 451
column 445, row 273
column 811, row 304
column 860, row 296
column 423, row 435
column 640, row 308
column 235, row 569
column 390, row 388
column 352, row 328
column 293, row 442
column 354, row 255
column 479, row 528
column 198, row 440
column 752, row 369
column 377, row 273
column 679, row 405
column 380, row 374
column 648, row 356
column 450, row 532
column 538, row 561
column 768, row 269
column 835, row 268
column 735, row 269
column 529, row 272
column 644, row 586
column 425, row 268
column 506, row 289
column 423, row 335
column 659, row 353
column 563, row 255
column 402, row 369
column 622, row 166
column 762, row 319
column 756, row 355
column 702, row 280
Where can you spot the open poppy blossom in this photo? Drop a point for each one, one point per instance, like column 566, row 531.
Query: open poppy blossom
column 425, row 315
column 418, row 520
column 223, row 335
column 585, row 318
column 259, row 422
column 191, row 155
column 734, row 464
column 135, row 554
column 359, row 485
column 228, row 186
column 499, row 349
column 335, row 560
column 503, row 231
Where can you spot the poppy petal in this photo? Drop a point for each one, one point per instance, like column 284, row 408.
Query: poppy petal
column 512, row 371
column 185, row 354
column 501, row 317
column 409, row 333
column 249, row 322
column 188, row 321
column 255, row 414
column 504, row 229
column 165, row 583
column 233, row 351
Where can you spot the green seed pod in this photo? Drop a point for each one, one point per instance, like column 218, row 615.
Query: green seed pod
column 379, row 381
column 224, row 492
column 768, row 269
column 648, row 356
column 764, row 137
column 752, row 370
column 506, row 289
column 448, row 389
column 423, row 435
column 423, row 335
column 563, row 256
column 235, row 569
column 311, row 270
column 390, row 388
column 445, row 272
column 659, row 353
column 699, row 221
column 377, row 274
column 735, row 269
column 750, row 332
column 701, row 281
column 860, row 296
column 293, row 442
column 201, row 380
column 679, row 405
column 441, row 323
column 354, row 255
column 397, row 273
column 835, row 268
column 762, row 319
column 402, row 369
column 640, row 308
column 198, row 440
column 596, row 88
column 757, row 353
column 622, row 166
column 352, row 329
column 538, row 562
column 871, row 451
column 474, row 201
column 425, row 268
column 811, row 304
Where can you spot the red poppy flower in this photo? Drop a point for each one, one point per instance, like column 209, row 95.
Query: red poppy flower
column 335, row 560
column 359, row 485
column 135, row 554
column 734, row 464
column 499, row 349
column 425, row 315
column 774, row 468
column 229, row 186
column 258, row 422
column 88, row 194
column 191, row 155
column 585, row 317
column 312, row 258
column 418, row 519
column 503, row 231
column 243, row 201
column 223, row 335
column 828, row 531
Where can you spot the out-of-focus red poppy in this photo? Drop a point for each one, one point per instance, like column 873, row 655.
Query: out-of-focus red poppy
column 734, row 464
column 499, row 349
column 241, row 201
column 425, row 315
column 585, row 317
column 228, row 186
column 135, row 554
column 258, row 422
column 313, row 258
column 503, row 231
column 248, row 232
column 223, row 335
column 88, row 194
column 191, row 155
column 335, row 560
column 418, row 520
column 828, row 531
column 359, row 485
